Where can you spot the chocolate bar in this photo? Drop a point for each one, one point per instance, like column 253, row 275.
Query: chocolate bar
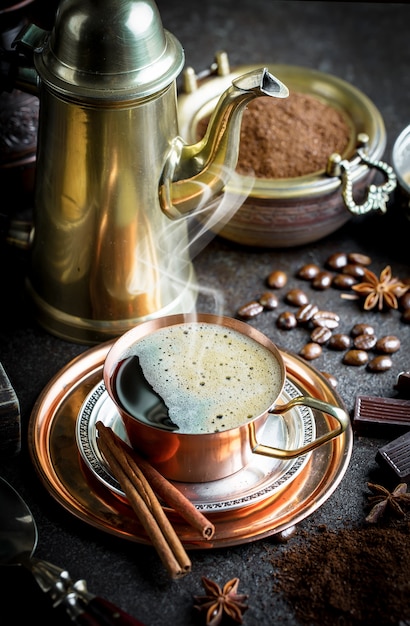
column 396, row 455
column 376, row 415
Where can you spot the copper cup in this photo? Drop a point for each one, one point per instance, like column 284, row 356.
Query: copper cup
column 194, row 455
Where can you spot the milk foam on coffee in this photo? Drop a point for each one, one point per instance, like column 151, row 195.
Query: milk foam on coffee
column 210, row 377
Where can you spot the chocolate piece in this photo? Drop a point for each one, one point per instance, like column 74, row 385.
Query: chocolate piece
column 403, row 384
column 10, row 427
column 396, row 455
column 373, row 413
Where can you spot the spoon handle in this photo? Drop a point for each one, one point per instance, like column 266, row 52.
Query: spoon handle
column 84, row 608
column 100, row 612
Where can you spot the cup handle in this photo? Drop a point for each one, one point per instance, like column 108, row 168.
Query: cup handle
column 338, row 413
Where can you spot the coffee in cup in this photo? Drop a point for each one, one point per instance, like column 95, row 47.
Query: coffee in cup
column 195, row 378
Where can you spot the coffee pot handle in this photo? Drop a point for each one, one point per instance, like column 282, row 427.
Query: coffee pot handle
column 338, row 413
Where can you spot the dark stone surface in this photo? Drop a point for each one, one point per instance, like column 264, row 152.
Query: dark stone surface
column 365, row 44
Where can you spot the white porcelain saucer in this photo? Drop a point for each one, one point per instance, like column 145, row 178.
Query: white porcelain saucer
column 260, row 479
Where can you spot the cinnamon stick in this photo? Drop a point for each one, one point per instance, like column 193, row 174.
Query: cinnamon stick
column 145, row 504
column 170, row 494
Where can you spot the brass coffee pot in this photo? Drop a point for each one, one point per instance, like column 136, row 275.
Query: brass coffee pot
column 114, row 181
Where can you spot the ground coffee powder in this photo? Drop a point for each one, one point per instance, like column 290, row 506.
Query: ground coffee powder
column 347, row 577
column 290, row 137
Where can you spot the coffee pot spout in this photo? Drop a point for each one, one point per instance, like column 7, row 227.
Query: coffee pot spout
column 195, row 171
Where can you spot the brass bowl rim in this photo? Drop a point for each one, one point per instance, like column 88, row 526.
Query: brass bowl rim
column 362, row 113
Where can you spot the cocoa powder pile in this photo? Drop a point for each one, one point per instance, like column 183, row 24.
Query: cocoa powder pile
column 290, row 137
column 348, row 577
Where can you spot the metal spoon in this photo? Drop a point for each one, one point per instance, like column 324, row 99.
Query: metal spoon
column 18, row 540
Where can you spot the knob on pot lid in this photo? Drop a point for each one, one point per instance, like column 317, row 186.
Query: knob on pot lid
column 118, row 47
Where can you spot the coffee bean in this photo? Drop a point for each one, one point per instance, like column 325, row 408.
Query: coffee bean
column 320, row 335
column 277, row 279
column 269, row 300
column 311, row 351
column 355, row 357
column 358, row 258
column 305, row 313
column 364, row 342
column 343, row 281
column 380, row 363
column 339, row 341
column 404, row 301
column 362, row 329
column 251, row 309
column 388, row 344
column 297, row 297
column 353, row 270
column 326, row 318
column 330, row 379
column 286, row 321
column 308, row 271
column 405, row 318
column 337, row 260
column 322, row 281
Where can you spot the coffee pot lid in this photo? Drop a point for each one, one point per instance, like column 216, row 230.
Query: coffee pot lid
column 110, row 48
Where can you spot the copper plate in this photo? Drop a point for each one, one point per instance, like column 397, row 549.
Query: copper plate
column 55, row 455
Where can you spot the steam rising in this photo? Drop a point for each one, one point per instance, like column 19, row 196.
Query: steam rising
column 189, row 235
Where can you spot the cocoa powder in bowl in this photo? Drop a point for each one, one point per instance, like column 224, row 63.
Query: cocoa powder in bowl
column 290, row 137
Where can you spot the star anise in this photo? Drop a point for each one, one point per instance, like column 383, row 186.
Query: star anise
column 381, row 292
column 221, row 602
column 384, row 499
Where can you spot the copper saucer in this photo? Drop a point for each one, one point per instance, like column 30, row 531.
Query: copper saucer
column 56, row 458
column 259, row 479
